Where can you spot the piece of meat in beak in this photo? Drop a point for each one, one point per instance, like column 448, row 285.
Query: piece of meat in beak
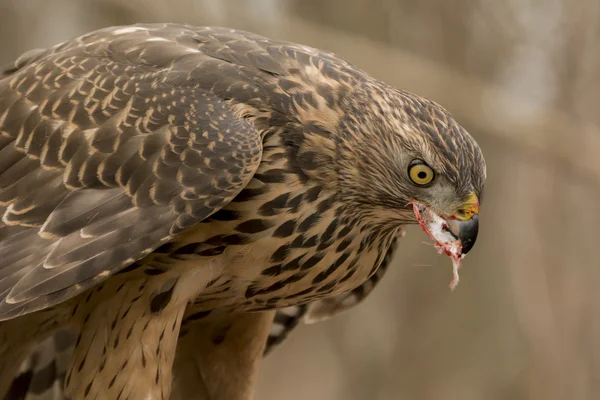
column 454, row 236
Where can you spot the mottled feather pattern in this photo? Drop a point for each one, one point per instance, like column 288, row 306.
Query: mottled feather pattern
column 165, row 184
column 112, row 171
column 288, row 318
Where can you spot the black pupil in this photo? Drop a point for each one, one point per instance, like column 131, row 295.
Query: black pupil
column 422, row 175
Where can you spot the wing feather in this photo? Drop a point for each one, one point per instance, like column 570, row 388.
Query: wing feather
column 109, row 148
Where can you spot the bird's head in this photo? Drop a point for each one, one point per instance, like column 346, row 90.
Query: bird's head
column 407, row 160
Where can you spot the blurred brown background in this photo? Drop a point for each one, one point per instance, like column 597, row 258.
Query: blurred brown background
column 523, row 77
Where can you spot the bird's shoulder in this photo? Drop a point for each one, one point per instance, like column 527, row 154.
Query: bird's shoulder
column 179, row 48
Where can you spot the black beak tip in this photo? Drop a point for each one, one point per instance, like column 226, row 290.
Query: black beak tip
column 468, row 233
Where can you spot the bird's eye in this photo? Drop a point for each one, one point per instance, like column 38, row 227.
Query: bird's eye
column 420, row 173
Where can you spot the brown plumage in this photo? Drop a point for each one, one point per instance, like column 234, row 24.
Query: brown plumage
column 42, row 373
column 165, row 178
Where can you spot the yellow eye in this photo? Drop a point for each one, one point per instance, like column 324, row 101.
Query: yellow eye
column 420, row 173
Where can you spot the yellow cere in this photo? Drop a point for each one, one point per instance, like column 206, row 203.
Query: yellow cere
column 469, row 208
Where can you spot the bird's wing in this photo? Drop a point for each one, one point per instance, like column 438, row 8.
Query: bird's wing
column 110, row 145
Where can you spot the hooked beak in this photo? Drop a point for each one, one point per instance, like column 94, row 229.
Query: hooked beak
column 465, row 230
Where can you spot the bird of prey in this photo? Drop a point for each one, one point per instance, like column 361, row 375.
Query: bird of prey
column 170, row 193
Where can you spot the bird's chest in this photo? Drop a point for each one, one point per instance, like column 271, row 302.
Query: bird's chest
column 305, row 266
column 289, row 247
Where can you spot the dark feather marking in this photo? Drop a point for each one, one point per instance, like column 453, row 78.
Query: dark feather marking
column 326, row 204
column 253, row 226
column 154, row 271
column 311, row 242
column 251, row 291
column 286, row 229
column 308, row 222
column 344, row 232
column 161, row 300
column 295, row 203
column 88, row 388
column 328, row 287
column 273, row 207
column 311, row 262
column 272, row 271
column 327, row 236
column 280, row 254
column 313, row 194
column 298, row 241
column 333, row 267
column 214, row 251
column 343, row 245
column 272, row 176
column 166, row 248
column 348, row 275
column 308, row 160
column 225, row 215
column 294, row 264
column 274, row 287
column 301, row 293
column 294, row 278
column 190, row 248
column 198, row 315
